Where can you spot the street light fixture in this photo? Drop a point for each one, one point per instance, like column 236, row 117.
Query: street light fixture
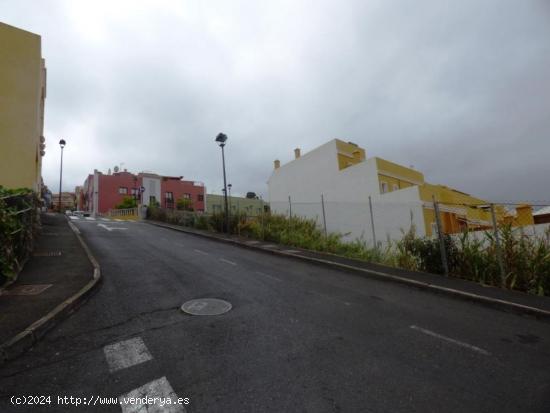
column 221, row 139
column 62, row 144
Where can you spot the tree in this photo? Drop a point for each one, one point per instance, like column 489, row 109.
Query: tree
column 184, row 204
column 127, row 202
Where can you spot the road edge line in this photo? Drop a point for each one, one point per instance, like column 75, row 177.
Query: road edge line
column 27, row 338
column 500, row 304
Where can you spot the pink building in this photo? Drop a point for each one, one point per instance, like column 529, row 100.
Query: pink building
column 102, row 192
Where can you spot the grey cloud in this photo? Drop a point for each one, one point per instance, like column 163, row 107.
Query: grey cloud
column 460, row 90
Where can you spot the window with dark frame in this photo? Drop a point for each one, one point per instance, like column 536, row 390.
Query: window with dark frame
column 169, row 199
column 122, row 190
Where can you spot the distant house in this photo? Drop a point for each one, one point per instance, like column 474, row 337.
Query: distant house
column 102, row 192
column 68, row 201
column 542, row 216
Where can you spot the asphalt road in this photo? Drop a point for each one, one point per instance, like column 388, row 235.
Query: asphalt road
column 299, row 338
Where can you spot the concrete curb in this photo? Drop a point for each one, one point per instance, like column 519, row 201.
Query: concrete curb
column 33, row 333
column 504, row 305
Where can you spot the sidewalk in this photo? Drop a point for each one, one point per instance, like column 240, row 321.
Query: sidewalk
column 56, row 279
column 506, row 300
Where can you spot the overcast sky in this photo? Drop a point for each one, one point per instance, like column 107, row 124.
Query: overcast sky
column 460, row 89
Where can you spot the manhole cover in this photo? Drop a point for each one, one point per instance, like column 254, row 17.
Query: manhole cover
column 206, row 306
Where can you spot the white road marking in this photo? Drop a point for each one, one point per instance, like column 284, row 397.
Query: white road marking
column 126, row 354
column 118, row 220
column 110, row 228
column 201, row 252
column 89, row 218
column 269, row 276
column 159, row 388
column 451, row 340
column 227, row 261
column 105, row 219
column 73, row 217
column 74, row 227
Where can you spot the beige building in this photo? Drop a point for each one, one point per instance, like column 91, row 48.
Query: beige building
column 68, row 201
column 22, row 95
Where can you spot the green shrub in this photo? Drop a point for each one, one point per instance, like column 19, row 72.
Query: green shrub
column 184, row 204
column 19, row 226
column 127, row 203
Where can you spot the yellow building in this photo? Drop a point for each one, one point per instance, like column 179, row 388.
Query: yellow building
column 459, row 211
column 337, row 185
column 22, row 95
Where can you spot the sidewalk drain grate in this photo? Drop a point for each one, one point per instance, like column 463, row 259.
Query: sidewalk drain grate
column 206, row 306
column 27, row 289
column 47, row 254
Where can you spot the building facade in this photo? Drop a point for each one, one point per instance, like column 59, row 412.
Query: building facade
column 22, row 97
column 340, row 174
column 237, row 205
column 68, row 201
column 102, row 192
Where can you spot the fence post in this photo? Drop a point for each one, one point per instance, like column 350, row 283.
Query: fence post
column 263, row 223
column 441, row 240
column 289, row 215
column 372, row 224
column 498, row 247
column 324, row 216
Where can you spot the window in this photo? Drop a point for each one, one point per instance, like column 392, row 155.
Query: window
column 383, row 187
column 123, row 190
column 169, row 200
column 187, row 196
column 135, row 191
column 395, row 187
column 200, row 197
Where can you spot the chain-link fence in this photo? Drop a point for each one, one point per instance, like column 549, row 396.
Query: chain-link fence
column 504, row 245
column 18, row 228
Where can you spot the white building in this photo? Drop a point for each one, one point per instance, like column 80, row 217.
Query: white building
column 341, row 174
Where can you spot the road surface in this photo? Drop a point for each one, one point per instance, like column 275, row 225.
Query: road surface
column 299, row 338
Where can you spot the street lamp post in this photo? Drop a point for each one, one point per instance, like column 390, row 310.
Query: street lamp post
column 221, row 139
column 62, row 145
